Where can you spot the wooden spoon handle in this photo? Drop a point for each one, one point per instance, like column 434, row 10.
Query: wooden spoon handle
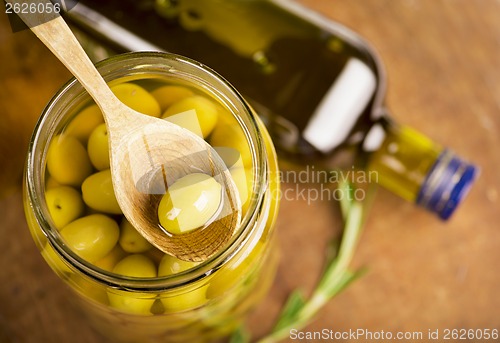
column 53, row 31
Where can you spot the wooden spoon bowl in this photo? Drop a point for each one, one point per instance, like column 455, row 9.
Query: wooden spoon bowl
column 149, row 164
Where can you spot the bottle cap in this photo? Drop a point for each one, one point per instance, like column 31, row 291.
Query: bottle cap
column 446, row 184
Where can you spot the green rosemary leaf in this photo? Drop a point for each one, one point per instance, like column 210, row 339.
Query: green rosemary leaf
column 241, row 335
column 290, row 310
column 353, row 224
column 347, row 200
column 347, row 278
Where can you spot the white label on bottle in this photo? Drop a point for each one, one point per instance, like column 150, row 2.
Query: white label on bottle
column 342, row 105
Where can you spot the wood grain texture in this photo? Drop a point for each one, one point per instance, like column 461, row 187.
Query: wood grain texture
column 442, row 61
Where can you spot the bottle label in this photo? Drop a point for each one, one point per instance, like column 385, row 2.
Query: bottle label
column 341, row 107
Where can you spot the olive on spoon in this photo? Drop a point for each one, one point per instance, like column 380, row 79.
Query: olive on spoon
column 147, row 154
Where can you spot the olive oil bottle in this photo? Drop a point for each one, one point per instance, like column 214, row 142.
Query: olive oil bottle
column 318, row 87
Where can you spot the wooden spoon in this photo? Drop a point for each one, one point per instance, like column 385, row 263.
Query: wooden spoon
column 147, row 153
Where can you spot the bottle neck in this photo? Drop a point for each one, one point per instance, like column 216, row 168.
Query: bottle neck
column 414, row 167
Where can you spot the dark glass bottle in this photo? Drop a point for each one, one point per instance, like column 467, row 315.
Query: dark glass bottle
column 318, row 87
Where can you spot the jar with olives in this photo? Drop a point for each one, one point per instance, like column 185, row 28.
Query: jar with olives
column 129, row 290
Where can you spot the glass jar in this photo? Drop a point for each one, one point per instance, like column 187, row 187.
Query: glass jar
column 203, row 303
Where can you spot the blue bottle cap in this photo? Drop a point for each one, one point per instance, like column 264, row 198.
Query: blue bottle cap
column 446, row 184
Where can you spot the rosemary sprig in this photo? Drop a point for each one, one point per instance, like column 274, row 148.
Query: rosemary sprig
column 298, row 311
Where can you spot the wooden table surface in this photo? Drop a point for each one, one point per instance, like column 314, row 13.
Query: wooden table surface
column 442, row 59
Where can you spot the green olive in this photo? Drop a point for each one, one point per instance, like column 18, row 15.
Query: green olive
column 187, row 300
column 82, row 125
column 67, row 160
column 91, row 237
column 50, row 182
column 189, row 203
column 170, row 265
column 228, row 133
column 109, row 261
column 98, row 149
column 129, row 302
column 98, row 193
column 242, row 177
column 187, row 120
column 230, row 156
column 206, row 111
column 131, row 240
column 65, row 204
column 167, row 95
column 136, row 265
column 137, row 98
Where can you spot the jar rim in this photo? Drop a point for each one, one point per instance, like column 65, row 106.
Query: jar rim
column 109, row 68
